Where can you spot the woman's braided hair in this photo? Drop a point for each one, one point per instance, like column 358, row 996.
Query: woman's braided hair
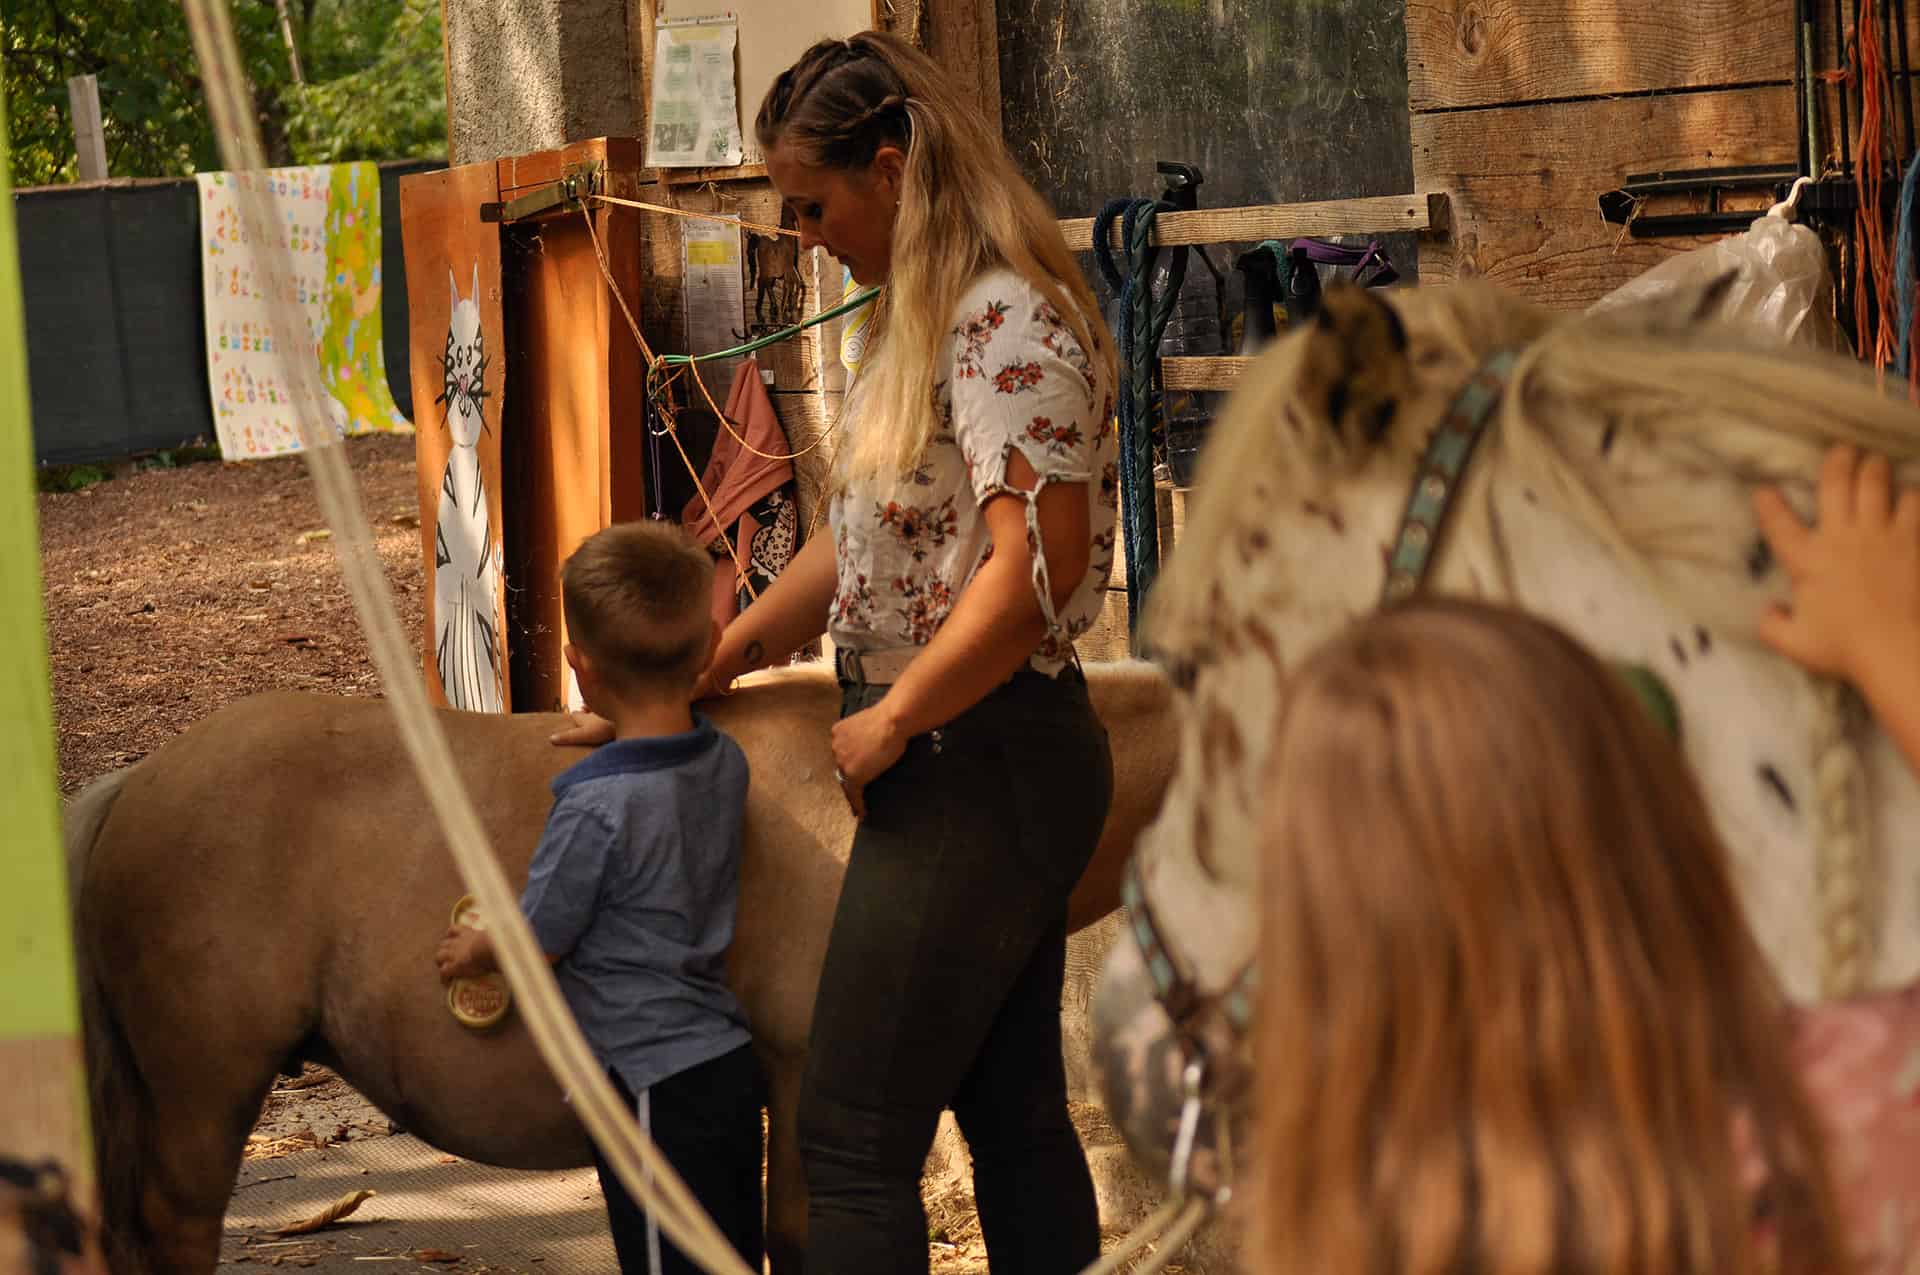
column 844, row 97
column 963, row 209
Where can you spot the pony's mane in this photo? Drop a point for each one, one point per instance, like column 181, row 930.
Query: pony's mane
column 1687, row 401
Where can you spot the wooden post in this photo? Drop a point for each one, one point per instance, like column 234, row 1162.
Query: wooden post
column 293, row 46
column 43, row 1103
column 83, row 92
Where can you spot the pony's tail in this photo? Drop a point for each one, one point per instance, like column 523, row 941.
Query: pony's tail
column 116, row 1104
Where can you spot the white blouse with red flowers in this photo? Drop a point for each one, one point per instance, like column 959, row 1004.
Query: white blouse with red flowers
column 1011, row 376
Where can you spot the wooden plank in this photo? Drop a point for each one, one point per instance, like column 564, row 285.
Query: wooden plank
column 1463, row 53
column 1202, row 373
column 964, row 37
column 701, row 176
column 446, row 243
column 572, row 452
column 1524, row 181
column 1377, row 215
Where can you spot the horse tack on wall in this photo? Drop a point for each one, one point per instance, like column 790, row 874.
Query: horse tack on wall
column 456, row 338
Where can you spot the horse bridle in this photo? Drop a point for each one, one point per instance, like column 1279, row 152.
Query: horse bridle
column 1443, row 466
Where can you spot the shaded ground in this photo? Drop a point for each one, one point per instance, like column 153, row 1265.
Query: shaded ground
column 172, row 592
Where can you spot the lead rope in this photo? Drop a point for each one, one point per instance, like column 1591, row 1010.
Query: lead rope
column 1143, row 320
column 640, row 1166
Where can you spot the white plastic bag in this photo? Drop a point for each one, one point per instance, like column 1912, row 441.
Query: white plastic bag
column 1782, row 284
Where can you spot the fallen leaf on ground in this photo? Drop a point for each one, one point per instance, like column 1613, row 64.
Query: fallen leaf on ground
column 320, row 533
column 406, row 520
column 329, row 1215
column 434, row 1255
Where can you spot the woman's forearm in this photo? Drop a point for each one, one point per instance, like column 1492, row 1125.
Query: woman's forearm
column 792, row 612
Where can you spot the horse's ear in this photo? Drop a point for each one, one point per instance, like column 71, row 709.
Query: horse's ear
column 1356, row 365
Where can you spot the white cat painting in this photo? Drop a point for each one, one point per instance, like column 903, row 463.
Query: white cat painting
column 466, row 580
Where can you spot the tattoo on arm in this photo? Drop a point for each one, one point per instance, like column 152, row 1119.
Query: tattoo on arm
column 754, row 653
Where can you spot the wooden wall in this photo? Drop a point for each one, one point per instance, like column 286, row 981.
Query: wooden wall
column 1525, row 111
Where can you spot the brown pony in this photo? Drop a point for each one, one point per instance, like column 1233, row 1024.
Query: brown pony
column 268, row 888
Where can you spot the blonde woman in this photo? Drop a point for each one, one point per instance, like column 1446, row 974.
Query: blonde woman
column 972, row 518
column 1512, row 1018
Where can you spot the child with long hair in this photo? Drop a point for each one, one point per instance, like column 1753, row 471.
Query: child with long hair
column 1512, row 1018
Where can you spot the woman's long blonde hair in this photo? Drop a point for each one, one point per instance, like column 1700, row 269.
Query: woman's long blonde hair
column 1512, row 1020
column 964, row 209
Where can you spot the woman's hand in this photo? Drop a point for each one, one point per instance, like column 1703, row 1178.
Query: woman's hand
column 589, row 729
column 1856, row 573
column 463, row 953
column 865, row 744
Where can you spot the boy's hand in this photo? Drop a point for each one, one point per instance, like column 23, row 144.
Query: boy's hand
column 1856, row 573
column 463, row 953
column 590, row 729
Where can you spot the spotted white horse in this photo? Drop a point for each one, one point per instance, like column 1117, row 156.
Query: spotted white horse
column 1610, row 493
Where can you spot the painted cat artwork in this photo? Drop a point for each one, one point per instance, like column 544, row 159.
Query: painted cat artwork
column 466, row 580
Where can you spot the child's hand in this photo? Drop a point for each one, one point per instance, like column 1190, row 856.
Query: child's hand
column 1856, row 574
column 463, row 953
column 590, row 729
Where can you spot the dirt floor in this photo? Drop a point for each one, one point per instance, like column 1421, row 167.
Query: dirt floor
column 171, row 592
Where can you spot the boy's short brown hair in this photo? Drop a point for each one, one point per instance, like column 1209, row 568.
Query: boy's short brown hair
column 637, row 597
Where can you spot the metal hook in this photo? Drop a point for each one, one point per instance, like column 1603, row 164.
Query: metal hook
column 1787, row 207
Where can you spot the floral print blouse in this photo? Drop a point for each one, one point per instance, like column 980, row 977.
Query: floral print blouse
column 1010, row 378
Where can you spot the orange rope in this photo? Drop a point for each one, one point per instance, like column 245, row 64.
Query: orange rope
column 672, row 431
column 1873, row 263
column 671, row 211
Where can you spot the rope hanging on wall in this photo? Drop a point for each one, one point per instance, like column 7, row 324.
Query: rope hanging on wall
column 1143, row 321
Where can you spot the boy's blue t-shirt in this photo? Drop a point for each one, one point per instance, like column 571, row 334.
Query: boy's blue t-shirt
column 634, row 886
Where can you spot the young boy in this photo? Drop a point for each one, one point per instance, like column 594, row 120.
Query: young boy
column 632, row 889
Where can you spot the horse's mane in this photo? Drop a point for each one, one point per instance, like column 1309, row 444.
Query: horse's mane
column 1689, row 402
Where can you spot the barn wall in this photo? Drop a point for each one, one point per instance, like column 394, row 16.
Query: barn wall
column 1525, row 111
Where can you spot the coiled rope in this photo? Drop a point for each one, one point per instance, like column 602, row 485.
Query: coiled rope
column 1143, row 321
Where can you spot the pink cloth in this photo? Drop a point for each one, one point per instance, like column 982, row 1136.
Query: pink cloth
column 736, row 479
column 1860, row 1063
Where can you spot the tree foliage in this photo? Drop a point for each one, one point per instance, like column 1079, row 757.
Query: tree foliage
column 376, row 83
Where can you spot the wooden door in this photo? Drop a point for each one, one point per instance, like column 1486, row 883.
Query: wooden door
column 458, row 346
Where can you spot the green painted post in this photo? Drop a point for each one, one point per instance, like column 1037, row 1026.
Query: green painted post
column 43, row 1097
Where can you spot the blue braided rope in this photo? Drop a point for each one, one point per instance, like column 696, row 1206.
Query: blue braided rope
column 1904, row 282
column 1143, row 321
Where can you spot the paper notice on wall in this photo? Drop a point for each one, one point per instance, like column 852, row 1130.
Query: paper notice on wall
column 696, row 115
column 716, row 298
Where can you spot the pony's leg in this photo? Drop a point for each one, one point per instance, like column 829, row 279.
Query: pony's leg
column 786, row 1177
column 203, row 1072
column 197, row 1135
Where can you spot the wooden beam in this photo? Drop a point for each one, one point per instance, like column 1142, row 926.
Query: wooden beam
column 964, row 37
column 701, row 176
column 1218, row 372
column 1379, row 215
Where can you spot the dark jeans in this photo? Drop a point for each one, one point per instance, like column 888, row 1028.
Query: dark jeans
column 942, row 988
column 706, row 1120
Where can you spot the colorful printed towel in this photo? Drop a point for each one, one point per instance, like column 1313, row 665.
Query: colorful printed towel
column 329, row 219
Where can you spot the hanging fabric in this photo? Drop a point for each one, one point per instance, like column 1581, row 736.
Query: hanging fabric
column 754, row 498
